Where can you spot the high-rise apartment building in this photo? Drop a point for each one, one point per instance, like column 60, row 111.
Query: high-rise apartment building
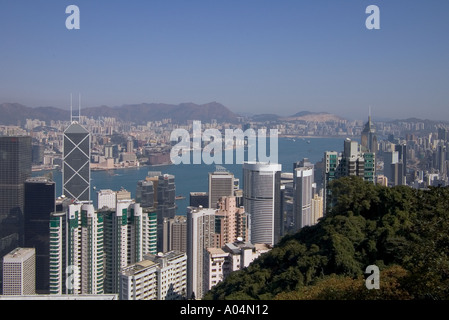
column 76, row 163
column 261, row 183
column 39, row 205
column 231, row 222
column 156, row 277
column 317, row 208
column 57, row 261
column 178, row 233
column 19, row 272
column 200, row 236
column 84, row 250
column 221, row 184
column 15, row 168
column 123, row 236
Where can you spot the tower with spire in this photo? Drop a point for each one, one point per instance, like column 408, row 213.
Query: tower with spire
column 369, row 138
column 76, row 159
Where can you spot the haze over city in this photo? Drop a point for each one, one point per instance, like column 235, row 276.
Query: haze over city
column 252, row 56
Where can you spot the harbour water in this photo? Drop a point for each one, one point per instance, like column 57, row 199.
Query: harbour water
column 194, row 177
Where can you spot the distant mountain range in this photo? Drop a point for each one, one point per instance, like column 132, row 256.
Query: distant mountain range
column 14, row 113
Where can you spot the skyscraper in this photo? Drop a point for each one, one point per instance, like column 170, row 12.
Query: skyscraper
column 231, row 222
column 221, row 184
column 84, row 250
column 166, row 207
column 15, row 168
column 261, row 192
column 178, row 233
column 19, row 272
column 76, row 163
column 369, row 139
column 352, row 162
column 123, row 228
column 402, row 155
column 145, row 194
column 39, row 205
column 302, row 199
column 200, row 236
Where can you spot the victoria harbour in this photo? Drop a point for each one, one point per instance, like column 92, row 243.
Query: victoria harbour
column 194, row 177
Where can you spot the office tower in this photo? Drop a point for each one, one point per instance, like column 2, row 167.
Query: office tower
column 199, row 199
column 402, row 157
column 441, row 159
column 390, row 158
column 19, row 272
column 397, row 177
column 37, row 154
column 178, row 233
column 302, row 200
column 106, row 199
column 443, row 134
column 231, row 222
column 15, row 168
column 166, row 206
column 369, row 139
column 286, row 194
column 39, row 205
column 145, row 194
column 84, row 250
column 200, row 236
column 261, row 183
column 157, row 277
column 221, row 184
column 394, row 167
column 123, row 236
column 76, row 163
column 331, row 167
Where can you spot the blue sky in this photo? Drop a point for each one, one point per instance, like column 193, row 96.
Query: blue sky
column 255, row 56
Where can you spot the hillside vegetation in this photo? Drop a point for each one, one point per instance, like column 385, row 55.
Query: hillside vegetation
column 404, row 231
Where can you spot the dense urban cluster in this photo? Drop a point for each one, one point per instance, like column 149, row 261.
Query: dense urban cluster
column 134, row 249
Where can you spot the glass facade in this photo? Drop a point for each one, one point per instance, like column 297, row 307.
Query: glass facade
column 15, row 168
column 39, row 205
column 76, row 163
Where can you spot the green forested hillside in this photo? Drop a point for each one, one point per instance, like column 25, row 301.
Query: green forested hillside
column 404, row 231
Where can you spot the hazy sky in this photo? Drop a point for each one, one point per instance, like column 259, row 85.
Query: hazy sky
column 255, row 56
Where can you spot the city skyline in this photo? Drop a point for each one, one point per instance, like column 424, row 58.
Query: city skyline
column 253, row 57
